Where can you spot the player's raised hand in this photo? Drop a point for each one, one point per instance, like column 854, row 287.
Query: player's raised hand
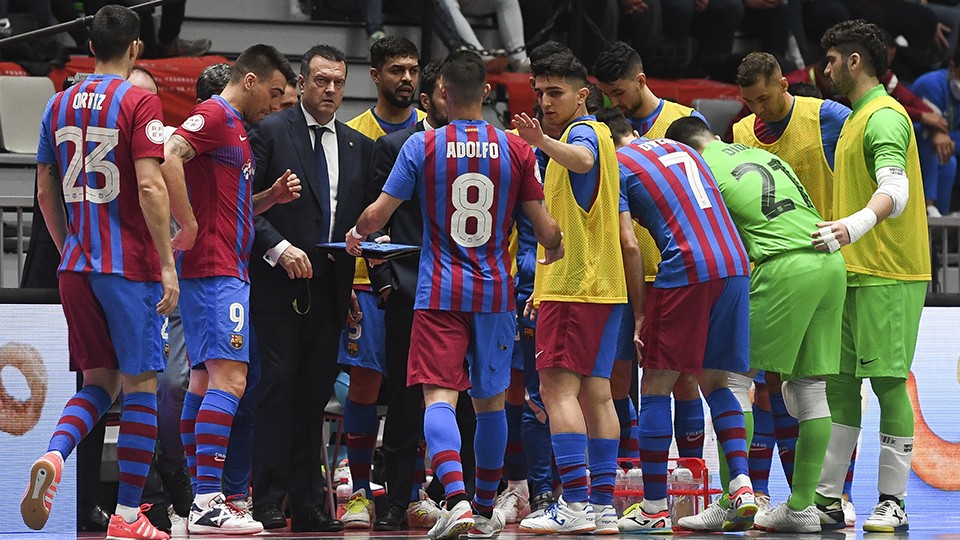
column 171, row 290
column 286, row 188
column 528, row 128
column 185, row 237
column 296, row 263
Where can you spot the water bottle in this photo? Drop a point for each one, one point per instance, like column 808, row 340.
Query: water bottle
column 619, row 501
column 682, row 503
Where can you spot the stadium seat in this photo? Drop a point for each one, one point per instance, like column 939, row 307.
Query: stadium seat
column 718, row 112
column 22, row 102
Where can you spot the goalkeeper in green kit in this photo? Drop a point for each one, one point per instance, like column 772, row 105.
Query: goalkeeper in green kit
column 796, row 303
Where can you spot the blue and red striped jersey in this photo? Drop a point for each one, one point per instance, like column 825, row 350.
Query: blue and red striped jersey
column 94, row 132
column 220, row 184
column 470, row 178
column 671, row 192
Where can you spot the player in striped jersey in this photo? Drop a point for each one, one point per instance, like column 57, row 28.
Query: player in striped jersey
column 395, row 70
column 696, row 319
column 471, row 179
column 210, row 154
column 619, row 71
column 585, row 291
column 796, row 301
column 102, row 195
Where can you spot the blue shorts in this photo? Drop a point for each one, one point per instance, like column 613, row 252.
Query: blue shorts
column 442, row 341
column 626, row 349
column 132, row 322
column 362, row 345
column 215, row 313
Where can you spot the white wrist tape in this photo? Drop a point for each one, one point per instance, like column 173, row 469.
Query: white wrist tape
column 859, row 223
column 893, row 182
column 355, row 234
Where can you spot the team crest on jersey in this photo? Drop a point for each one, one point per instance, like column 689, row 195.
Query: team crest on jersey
column 248, row 170
column 353, row 348
column 154, row 131
column 194, row 123
column 236, row 341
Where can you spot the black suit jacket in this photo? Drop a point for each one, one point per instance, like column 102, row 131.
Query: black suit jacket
column 280, row 142
column 406, row 224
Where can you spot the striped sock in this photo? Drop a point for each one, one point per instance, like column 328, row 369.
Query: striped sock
column 688, row 426
column 538, row 453
column 213, row 434
column 360, row 426
column 135, row 444
column 489, row 443
column 848, row 481
column 603, row 469
column 570, row 451
column 761, row 449
column 728, row 422
column 514, row 462
column 419, row 474
column 81, row 413
column 443, row 438
column 188, row 434
column 629, row 446
column 787, row 428
column 655, row 434
column 238, row 468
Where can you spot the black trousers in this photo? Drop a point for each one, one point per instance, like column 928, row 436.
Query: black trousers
column 299, row 367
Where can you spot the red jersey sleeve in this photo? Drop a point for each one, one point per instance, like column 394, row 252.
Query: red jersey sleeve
column 147, row 137
column 205, row 128
column 527, row 172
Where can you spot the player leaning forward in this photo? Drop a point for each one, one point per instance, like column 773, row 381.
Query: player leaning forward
column 884, row 239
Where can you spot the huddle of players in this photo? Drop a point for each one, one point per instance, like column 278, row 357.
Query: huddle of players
column 108, row 183
column 821, row 320
column 471, row 180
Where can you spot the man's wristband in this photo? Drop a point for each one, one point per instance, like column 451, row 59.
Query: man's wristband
column 354, row 233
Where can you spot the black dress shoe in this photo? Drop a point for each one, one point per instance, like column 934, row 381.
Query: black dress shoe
column 269, row 515
column 95, row 520
column 314, row 520
column 393, row 519
column 157, row 514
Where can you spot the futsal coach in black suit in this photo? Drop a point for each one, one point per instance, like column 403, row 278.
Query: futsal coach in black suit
column 299, row 296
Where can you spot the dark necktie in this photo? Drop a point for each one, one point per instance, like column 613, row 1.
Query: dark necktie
column 324, row 182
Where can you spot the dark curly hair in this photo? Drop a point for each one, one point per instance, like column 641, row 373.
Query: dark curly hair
column 859, row 36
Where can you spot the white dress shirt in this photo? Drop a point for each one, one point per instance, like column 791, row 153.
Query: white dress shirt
column 331, row 151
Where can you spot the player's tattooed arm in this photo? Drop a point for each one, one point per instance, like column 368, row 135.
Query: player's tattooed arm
column 175, row 152
column 50, row 200
column 178, row 146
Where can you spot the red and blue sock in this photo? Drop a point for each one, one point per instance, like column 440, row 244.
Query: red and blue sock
column 213, row 434
column 688, row 426
column 848, row 481
column 419, row 474
column 761, row 449
column 489, row 443
column 731, row 431
column 538, row 453
column 655, row 435
column 360, row 426
column 443, row 438
column 135, row 445
column 188, row 435
column 629, row 446
column 81, row 413
column 787, row 429
column 570, row 451
column 603, row 469
column 514, row 463
column 238, row 468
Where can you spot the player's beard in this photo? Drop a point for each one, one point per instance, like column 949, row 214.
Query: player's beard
column 841, row 81
column 400, row 102
column 628, row 112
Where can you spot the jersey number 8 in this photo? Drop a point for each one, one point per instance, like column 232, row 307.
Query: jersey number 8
column 478, row 210
column 93, row 162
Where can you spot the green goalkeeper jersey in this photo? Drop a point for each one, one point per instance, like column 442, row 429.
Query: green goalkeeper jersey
column 767, row 202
